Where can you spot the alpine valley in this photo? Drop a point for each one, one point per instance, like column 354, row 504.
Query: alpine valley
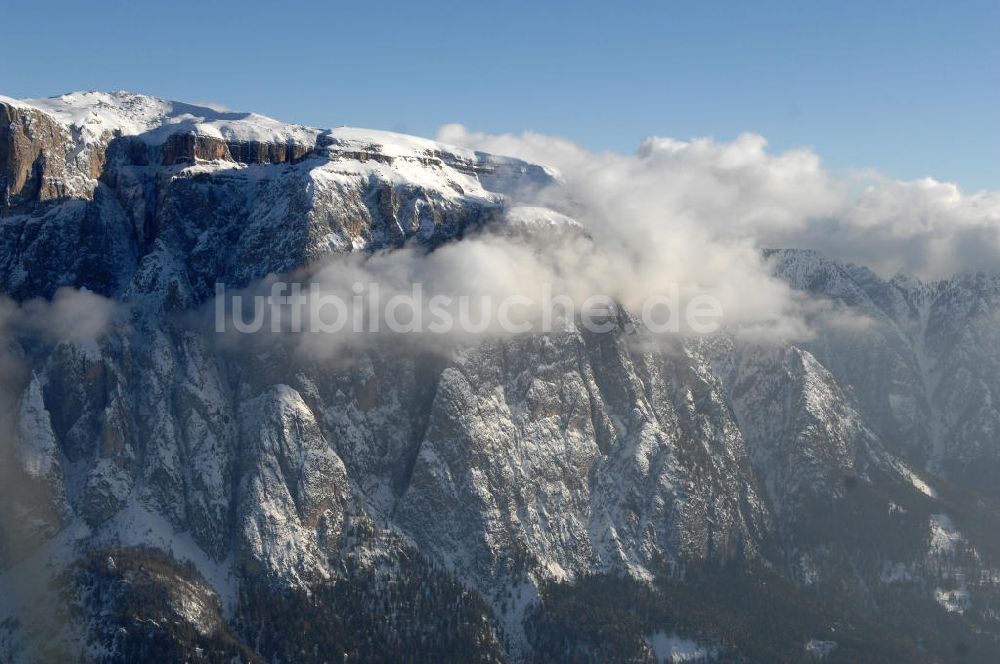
column 560, row 497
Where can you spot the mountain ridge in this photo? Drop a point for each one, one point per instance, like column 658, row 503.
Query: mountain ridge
column 492, row 485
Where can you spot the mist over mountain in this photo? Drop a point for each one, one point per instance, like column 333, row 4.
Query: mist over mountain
column 814, row 480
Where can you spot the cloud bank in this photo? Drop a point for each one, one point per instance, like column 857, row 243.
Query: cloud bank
column 739, row 191
column 684, row 217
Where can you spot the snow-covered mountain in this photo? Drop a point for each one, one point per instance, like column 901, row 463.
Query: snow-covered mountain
column 569, row 496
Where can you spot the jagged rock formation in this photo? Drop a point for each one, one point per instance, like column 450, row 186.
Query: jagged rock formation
column 496, row 474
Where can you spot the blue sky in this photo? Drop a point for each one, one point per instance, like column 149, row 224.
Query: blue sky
column 910, row 88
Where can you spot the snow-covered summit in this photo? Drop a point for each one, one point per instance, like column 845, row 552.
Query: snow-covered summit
column 101, row 114
column 76, row 137
column 170, row 176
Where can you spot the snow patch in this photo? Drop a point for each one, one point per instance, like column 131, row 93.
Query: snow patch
column 945, row 538
column 540, row 220
column 820, row 649
column 672, row 649
column 136, row 526
column 911, row 477
column 895, row 573
column 954, row 601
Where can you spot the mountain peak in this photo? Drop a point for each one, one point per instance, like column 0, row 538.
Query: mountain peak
column 99, row 115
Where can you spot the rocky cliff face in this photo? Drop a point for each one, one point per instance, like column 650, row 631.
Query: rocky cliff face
column 39, row 159
column 475, row 483
column 922, row 363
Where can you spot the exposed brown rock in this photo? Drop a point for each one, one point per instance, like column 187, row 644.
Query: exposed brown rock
column 188, row 148
column 33, row 151
column 43, row 160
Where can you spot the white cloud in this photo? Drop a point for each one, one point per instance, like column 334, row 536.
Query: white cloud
column 684, row 216
column 76, row 316
column 721, row 192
